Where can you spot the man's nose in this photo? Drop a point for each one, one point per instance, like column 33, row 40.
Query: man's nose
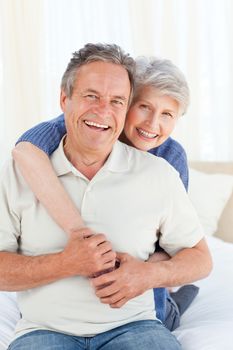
column 103, row 108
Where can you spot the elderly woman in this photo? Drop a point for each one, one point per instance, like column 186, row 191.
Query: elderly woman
column 161, row 96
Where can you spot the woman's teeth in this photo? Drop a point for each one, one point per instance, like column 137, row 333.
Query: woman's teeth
column 147, row 134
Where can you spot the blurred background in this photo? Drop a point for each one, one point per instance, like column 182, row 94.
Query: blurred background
column 37, row 38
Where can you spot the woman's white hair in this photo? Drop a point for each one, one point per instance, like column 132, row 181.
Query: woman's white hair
column 164, row 76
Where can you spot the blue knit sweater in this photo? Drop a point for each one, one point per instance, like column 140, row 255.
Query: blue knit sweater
column 47, row 136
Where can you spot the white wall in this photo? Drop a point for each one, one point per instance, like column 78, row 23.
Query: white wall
column 37, row 38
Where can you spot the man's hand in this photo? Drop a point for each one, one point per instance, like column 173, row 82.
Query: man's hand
column 88, row 254
column 128, row 281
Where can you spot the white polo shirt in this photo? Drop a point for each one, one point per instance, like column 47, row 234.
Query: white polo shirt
column 134, row 196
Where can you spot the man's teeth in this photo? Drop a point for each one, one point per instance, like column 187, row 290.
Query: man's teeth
column 102, row 126
column 147, row 134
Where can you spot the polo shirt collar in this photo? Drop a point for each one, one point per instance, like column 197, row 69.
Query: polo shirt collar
column 118, row 160
column 59, row 161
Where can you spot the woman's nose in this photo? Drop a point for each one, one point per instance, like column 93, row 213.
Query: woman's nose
column 154, row 123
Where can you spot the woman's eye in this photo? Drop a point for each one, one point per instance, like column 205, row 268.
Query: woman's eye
column 143, row 106
column 167, row 115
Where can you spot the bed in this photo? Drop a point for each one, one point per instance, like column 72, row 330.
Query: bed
column 208, row 322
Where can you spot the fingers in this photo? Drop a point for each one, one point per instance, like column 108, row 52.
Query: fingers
column 123, row 284
column 105, row 248
column 107, row 291
column 94, row 239
column 119, row 303
column 112, row 299
column 81, row 233
column 109, row 295
column 99, row 240
column 109, row 257
column 103, row 279
column 122, row 257
column 88, row 254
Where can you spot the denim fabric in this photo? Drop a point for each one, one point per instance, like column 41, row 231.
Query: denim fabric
column 172, row 318
column 143, row 335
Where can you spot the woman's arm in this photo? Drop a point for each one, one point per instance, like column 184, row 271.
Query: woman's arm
column 38, row 172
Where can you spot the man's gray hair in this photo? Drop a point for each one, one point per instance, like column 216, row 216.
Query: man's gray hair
column 164, row 76
column 97, row 52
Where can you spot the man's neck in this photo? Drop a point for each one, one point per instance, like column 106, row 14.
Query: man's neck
column 88, row 164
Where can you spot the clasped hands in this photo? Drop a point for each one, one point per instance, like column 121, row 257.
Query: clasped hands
column 116, row 277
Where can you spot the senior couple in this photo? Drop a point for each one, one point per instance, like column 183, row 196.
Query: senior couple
column 78, row 230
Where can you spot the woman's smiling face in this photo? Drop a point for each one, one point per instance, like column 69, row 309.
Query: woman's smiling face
column 150, row 119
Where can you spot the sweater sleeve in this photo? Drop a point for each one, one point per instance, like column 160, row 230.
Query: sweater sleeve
column 46, row 135
column 174, row 154
column 181, row 165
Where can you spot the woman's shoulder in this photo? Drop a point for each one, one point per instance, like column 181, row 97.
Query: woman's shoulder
column 170, row 145
column 173, row 152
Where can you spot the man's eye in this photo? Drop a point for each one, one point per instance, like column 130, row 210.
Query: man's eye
column 118, row 102
column 91, row 97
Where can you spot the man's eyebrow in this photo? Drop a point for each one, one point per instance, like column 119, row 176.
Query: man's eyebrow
column 119, row 97
column 90, row 90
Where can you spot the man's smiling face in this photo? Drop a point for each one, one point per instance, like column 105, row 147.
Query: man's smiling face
column 95, row 113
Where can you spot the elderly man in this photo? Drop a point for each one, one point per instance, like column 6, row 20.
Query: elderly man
column 126, row 197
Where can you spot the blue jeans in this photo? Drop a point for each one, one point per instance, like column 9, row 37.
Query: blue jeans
column 143, row 335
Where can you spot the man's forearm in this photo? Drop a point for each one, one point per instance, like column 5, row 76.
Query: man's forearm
column 185, row 267
column 158, row 256
column 19, row 272
column 134, row 277
column 81, row 257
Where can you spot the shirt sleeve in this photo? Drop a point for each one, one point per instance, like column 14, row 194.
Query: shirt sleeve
column 10, row 223
column 180, row 228
column 46, row 135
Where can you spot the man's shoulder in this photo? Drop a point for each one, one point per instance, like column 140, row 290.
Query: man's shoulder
column 145, row 160
column 10, row 175
column 8, row 167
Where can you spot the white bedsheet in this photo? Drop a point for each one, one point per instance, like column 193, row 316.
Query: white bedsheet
column 9, row 315
column 206, row 325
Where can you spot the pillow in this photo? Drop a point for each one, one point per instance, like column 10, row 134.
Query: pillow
column 9, row 315
column 209, row 194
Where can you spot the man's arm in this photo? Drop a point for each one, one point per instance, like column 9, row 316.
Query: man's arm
column 134, row 277
column 158, row 256
column 82, row 256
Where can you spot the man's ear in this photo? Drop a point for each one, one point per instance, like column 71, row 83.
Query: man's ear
column 63, row 99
